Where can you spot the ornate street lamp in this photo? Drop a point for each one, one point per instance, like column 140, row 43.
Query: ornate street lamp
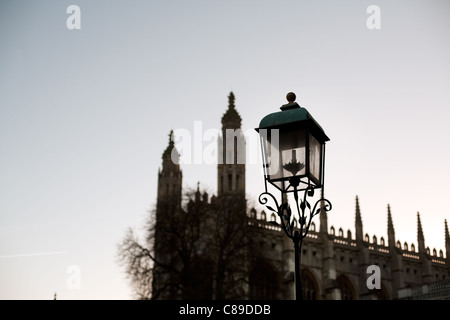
column 293, row 155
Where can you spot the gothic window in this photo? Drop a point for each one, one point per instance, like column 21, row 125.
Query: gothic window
column 273, row 217
column 346, row 287
column 263, row 215
column 237, row 182
column 309, row 285
column 230, row 178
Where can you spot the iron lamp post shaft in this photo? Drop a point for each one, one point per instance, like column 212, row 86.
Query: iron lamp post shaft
column 298, row 281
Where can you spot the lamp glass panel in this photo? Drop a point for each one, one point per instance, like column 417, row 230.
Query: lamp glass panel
column 292, row 153
column 314, row 157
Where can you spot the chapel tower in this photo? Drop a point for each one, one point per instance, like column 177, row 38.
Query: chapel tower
column 168, row 206
column 232, row 155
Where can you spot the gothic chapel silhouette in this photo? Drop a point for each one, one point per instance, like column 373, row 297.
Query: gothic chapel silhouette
column 260, row 264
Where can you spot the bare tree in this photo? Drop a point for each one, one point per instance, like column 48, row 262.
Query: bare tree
column 137, row 260
column 198, row 251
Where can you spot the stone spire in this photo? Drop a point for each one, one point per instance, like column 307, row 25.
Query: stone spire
column 390, row 230
column 363, row 250
column 398, row 273
column 447, row 243
column 390, row 223
column 358, row 222
column 447, row 235
column 420, row 237
column 197, row 193
column 231, row 99
column 231, row 119
column 427, row 275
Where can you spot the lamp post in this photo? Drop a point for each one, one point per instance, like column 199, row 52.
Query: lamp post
column 293, row 156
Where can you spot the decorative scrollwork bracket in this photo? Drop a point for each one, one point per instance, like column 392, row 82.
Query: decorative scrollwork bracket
column 284, row 212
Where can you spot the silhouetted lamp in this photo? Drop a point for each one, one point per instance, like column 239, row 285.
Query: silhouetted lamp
column 293, row 155
column 293, row 147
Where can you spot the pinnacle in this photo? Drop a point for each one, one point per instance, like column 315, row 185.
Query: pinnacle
column 231, row 119
column 231, row 99
column 419, row 228
column 168, row 154
column 447, row 235
column 390, row 223
column 357, row 211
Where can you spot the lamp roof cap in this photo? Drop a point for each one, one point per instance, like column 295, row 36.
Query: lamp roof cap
column 292, row 114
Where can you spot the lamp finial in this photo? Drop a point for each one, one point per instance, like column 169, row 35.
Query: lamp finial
column 291, row 97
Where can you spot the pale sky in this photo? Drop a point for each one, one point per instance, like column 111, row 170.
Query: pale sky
column 85, row 116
